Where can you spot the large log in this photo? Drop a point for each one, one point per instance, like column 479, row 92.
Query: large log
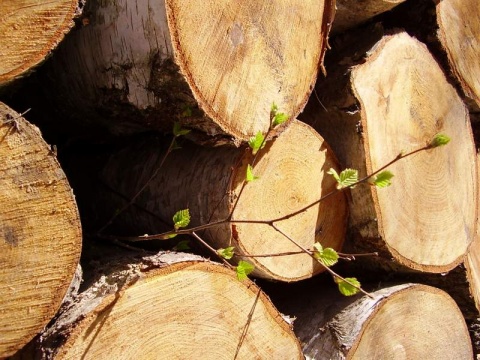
column 235, row 59
column 408, row 321
column 459, row 33
column 385, row 95
column 40, row 236
column 168, row 306
column 292, row 174
column 29, row 31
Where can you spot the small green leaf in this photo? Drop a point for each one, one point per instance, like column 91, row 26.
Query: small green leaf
column 327, row 256
column 171, row 236
column 178, row 131
column 243, row 269
column 182, row 245
column 181, row 219
column 187, row 112
column 440, row 140
column 226, row 253
column 334, row 173
column 279, row 119
column 273, row 110
column 250, row 177
column 256, row 142
column 383, row 179
column 347, row 178
column 349, row 286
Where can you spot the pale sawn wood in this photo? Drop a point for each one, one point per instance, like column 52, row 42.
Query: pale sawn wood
column 168, row 306
column 396, row 99
column 29, row 31
column 40, row 233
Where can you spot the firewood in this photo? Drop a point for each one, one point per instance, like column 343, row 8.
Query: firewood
column 29, row 32
column 459, row 33
column 39, row 231
column 168, row 306
column 406, row 321
column 386, row 95
column 291, row 173
column 216, row 66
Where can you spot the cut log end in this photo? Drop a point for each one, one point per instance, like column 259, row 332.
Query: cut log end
column 459, row 33
column 421, row 314
column 187, row 310
column 251, row 61
column 292, row 175
column 29, row 31
column 40, row 235
column 408, row 321
column 433, row 200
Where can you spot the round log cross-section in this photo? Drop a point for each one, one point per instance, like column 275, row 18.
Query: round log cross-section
column 167, row 306
column 40, row 234
column 392, row 101
column 29, row 31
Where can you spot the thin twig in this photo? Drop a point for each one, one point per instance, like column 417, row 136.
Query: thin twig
column 333, row 273
column 139, row 192
column 195, row 235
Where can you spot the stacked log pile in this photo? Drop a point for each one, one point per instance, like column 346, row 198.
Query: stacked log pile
column 162, row 107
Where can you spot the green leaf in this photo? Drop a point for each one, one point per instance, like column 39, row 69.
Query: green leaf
column 257, row 142
column 327, row 256
column 178, row 131
column 279, row 119
column 181, row 219
column 250, row 177
column 440, row 140
column 347, row 177
column 346, row 286
column 273, row 110
column 383, row 179
column 187, row 111
column 226, row 253
column 182, row 245
column 243, row 269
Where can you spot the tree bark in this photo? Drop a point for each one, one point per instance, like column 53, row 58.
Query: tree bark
column 29, row 31
column 386, row 95
column 208, row 181
column 39, row 231
column 234, row 60
column 407, row 321
column 168, row 305
column 352, row 13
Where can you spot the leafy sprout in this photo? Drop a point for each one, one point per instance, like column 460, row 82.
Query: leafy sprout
column 348, row 286
column 345, row 179
column 383, row 179
column 327, row 256
column 257, row 142
column 243, row 269
column 249, row 176
column 226, row 253
column 440, row 140
column 181, row 219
